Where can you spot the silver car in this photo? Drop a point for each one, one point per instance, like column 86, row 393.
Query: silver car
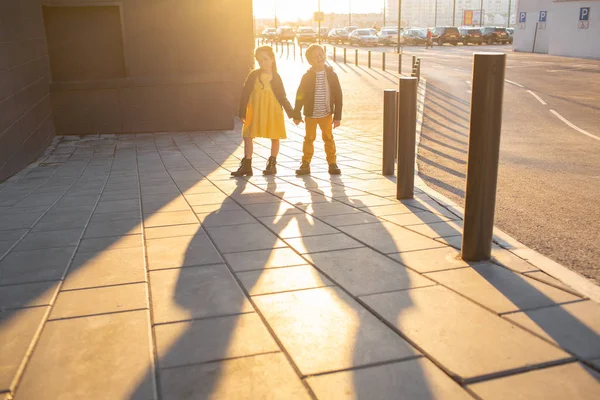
column 363, row 37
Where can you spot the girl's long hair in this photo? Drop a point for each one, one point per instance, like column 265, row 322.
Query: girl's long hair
column 268, row 50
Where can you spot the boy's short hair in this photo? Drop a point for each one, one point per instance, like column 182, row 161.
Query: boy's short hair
column 311, row 49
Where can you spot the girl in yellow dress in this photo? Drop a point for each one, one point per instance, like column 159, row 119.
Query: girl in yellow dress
column 261, row 111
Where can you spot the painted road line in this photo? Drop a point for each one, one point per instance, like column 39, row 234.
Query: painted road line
column 578, row 129
column 514, row 83
column 537, row 97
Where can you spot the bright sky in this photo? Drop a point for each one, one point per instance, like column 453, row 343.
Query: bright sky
column 291, row 10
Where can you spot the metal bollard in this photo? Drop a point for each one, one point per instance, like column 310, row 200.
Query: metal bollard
column 383, row 61
column 344, row 55
column 389, row 131
column 400, row 63
column 483, row 154
column 419, row 69
column 325, row 49
column 356, row 57
column 414, row 60
column 334, row 55
column 369, row 58
column 407, row 131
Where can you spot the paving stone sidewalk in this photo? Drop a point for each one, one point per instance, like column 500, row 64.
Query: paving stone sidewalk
column 134, row 267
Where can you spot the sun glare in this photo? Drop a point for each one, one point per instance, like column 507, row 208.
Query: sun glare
column 293, row 10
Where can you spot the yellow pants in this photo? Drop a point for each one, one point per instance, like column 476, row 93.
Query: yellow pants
column 308, row 148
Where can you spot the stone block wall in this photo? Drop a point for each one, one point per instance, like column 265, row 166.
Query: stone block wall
column 26, row 123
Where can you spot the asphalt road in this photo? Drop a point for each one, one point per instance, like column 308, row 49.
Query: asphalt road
column 549, row 173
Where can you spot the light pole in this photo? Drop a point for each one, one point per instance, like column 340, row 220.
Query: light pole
column 435, row 14
column 399, row 25
column 383, row 13
column 481, row 13
column 319, row 21
column 508, row 17
column 349, row 12
column 454, row 13
column 275, row 13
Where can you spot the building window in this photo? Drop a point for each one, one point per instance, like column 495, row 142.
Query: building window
column 84, row 43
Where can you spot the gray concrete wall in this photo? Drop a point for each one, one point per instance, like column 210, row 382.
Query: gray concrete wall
column 26, row 126
column 182, row 64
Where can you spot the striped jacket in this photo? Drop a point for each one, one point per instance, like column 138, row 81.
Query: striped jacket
column 305, row 97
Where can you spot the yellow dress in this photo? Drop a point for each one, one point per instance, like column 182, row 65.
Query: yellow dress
column 264, row 116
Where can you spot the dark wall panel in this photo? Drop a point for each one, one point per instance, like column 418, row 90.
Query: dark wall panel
column 26, row 125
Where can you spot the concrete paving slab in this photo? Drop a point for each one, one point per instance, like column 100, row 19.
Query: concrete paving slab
column 17, row 330
column 544, row 277
column 110, row 243
column 173, row 231
column 113, row 206
column 511, row 261
column 212, row 339
column 412, row 379
column 390, row 238
column 453, row 241
column 6, row 245
column 27, row 295
column 109, row 196
column 358, row 218
column 50, row 239
column 365, row 201
column 118, row 227
column 226, row 218
column 77, row 201
column 268, row 376
column 205, row 198
column 312, row 244
column 181, row 251
column 35, row 200
column 282, row 280
column 231, row 239
column 195, row 292
column 116, row 216
column 62, row 219
column 108, row 267
column 149, row 208
column 291, row 226
column 571, row 381
column 416, row 218
column 574, row 327
column 350, row 267
column 169, row 218
column 12, row 235
column 10, row 221
column 35, row 265
column 105, row 356
column 299, row 199
column 501, row 290
column 209, row 208
column 466, row 339
column 326, row 330
column 430, row 260
column 264, row 259
column 272, row 209
column 325, row 209
column 104, row 300
column 438, row 229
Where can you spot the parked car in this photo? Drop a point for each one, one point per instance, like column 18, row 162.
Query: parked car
column 446, row 34
column 413, row 37
column 306, row 35
column 285, row 33
column 494, row 34
column 269, row 33
column 363, row 37
column 337, row 36
column 388, row 36
column 324, row 32
column 350, row 29
column 511, row 34
column 470, row 35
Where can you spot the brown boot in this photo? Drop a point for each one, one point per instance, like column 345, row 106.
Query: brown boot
column 245, row 168
column 271, row 168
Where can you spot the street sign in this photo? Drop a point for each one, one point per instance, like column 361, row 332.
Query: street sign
column 319, row 16
column 522, row 17
column 584, row 14
column 543, row 15
column 542, row 25
column 522, row 25
column 583, row 24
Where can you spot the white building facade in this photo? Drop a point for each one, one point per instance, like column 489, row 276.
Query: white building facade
column 422, row 13
column 558, row 27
